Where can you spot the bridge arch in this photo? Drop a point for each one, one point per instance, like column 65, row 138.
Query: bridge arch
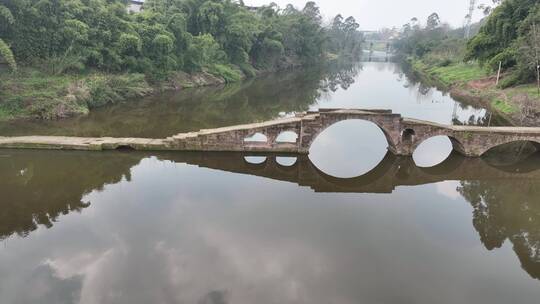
column 126, row 147
column 327, row 124
column 490, row 146
column 286, row 161
column 407, row 136
column 256, row 160
column 375, row 179
column 457, row 145
column 256, row 137
column 287, row 137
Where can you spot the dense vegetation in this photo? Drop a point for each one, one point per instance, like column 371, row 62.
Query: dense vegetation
column 68, row 56
column 435, row 43
column 508, row 36
column 168, row 35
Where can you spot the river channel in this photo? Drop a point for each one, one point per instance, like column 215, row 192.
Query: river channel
column 350, row 223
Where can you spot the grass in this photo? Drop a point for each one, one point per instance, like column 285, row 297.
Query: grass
column 529, row 89
column 455, row 73
column 451, row 74
column 503, row 106
column 458, row 74
column 26, row 88
column 34, row 94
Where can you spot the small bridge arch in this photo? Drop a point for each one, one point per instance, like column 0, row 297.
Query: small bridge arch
column 415, row 142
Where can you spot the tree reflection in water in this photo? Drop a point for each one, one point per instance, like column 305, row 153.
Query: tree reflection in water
column 508, row 210
column 169, row 113
column 39, row 186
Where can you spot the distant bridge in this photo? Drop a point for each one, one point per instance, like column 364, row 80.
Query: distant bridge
column 403, row 135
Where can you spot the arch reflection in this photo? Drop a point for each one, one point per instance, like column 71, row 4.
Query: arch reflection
column 505, row 198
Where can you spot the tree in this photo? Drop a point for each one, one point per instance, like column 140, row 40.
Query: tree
column 487, row 9
column 312, row 11
column 7, row 19
column 68, row 36
column 433, row 21
column 7, row 54
column 500, row 31
column 529, row 54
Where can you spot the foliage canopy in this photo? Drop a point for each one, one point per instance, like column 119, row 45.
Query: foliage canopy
column 168, row 35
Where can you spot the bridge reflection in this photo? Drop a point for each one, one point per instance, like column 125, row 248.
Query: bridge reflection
column 393, row 171
column 505, row 199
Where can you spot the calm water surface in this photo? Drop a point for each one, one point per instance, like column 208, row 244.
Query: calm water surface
column 349, row 223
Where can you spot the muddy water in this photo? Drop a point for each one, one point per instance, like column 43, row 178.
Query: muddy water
column 347, row 224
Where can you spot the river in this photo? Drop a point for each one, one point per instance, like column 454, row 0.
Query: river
column 350, row 223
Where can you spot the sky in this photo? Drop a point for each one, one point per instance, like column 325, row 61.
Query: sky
column 376, row 14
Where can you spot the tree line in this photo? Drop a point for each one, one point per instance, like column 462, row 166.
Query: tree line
column 222, row 36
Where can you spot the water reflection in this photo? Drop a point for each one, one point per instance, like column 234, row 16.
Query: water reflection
column 38, row 187
column 170, row 113
column 366, row 85
column 128, row 227
column 505, row 199
column 432, row 151
column 508, row 210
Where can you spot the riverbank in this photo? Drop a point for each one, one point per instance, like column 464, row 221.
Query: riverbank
column 31, row 94
column 520, row 105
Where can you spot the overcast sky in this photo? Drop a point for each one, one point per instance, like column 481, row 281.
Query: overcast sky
column 375, row 14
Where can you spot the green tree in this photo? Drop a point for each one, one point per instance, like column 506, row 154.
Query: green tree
column 6, row 20
column 433, row 21
column 7, row 54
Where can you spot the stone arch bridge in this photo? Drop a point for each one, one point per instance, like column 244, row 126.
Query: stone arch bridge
column 403, row 135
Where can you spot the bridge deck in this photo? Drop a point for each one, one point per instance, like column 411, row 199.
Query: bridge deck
column 81, row 143
column 471, row 140
column 507, row 129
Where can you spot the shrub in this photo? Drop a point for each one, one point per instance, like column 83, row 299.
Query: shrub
column 7, row 54
column 110, row 89
column 506, row 57
column 247, row 69
column 130, row 45
column 225, row 71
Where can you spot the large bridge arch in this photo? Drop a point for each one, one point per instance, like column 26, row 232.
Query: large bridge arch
column 390, row 130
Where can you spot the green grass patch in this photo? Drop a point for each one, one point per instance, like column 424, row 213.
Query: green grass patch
column 450, row 73
column 455, row 73
column 34, row 94
column 503, row 106
column 19, row 91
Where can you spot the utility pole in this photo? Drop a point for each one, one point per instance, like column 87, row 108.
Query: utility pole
column 468, row 19
column 499, row 73
column 454, row 112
